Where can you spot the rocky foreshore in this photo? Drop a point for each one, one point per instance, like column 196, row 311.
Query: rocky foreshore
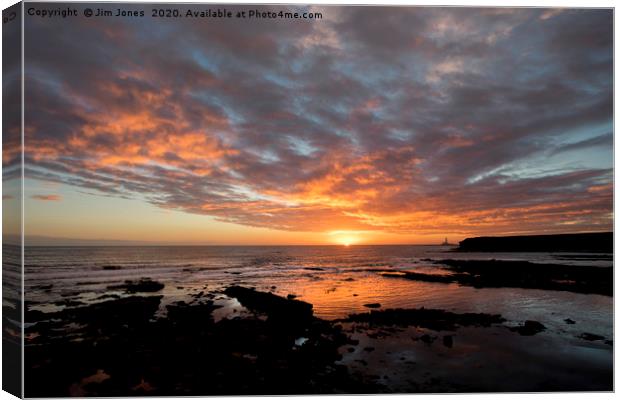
column 120, row 347
column 133, row 345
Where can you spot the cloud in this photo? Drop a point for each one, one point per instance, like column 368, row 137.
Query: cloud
column 408, row 120
column 46, row 197
column 604, row 141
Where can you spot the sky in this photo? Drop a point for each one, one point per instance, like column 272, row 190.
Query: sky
column 370, row 125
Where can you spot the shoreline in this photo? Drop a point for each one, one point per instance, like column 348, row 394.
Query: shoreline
column 517, row 274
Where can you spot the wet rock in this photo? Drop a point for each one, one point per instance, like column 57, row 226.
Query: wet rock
column 191, row 316
column 144, row 285
column 529, row 328
column 30, row 314
column 274, row 306
column 416, row 276
column 108, row 296
column 520, row 274
column 590, row 336
column 68, row 303
column 428, row 339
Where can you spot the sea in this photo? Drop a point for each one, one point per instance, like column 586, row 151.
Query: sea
column 336, row 280
column 339, row 281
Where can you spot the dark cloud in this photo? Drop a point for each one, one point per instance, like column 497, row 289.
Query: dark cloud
column 604, row 141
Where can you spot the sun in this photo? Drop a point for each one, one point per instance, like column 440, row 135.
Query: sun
column 347, row 241
column 345, row 238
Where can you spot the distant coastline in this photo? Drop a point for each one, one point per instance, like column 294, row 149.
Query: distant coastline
column 599, row 242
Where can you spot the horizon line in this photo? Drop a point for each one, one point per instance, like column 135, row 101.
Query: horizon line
column 235, row 245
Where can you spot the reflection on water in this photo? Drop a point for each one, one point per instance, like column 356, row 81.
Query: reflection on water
column 480, row 360
column 337, row 280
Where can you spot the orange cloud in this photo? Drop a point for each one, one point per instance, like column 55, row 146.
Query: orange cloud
column 46, row 197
